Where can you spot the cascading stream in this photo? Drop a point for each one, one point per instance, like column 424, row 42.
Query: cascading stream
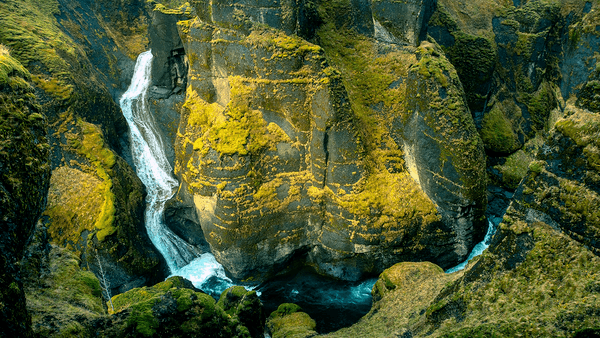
column 478, row 249
column 152, row 166
column 154, row 170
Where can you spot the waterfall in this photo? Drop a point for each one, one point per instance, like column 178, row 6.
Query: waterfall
column 152, row 166
column 154, row 170
column 478, row 249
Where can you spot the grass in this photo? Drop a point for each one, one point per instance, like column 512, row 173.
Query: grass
column 31, row 31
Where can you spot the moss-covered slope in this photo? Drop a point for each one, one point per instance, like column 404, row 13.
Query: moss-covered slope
column 24, row 179
column 174, row 308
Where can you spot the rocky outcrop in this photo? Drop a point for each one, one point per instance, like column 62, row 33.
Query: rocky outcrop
column 174, row 308
column 24, row 178
column 540, row 274
column 517, row 63
column 405, row 21
column 277, row 152
column 288, row 321
column 60, row 295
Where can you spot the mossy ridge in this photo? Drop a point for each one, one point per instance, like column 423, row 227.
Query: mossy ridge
column 374, row 81
column 24, row 150
column 96, row 201
column 171, row 7
column 514, row 169
column 12, row 71
column 376, row 89
column 545, row 295
column 288, row 321
column 569, row 197
column 501, row 127
column 24, row 177
column 473, row 55
column 472, row 17
column 196, row 311
column 31, row 30
column 402, row 293
column 451, row 120
column 63, row 294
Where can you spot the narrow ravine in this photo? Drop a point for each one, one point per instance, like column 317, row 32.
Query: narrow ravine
column 478, row 249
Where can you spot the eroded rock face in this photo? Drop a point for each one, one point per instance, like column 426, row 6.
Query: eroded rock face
column 280, row 162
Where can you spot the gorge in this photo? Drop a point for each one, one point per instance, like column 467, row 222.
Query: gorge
column 299, row 168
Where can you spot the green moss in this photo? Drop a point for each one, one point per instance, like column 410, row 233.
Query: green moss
column 515, row 168
column 537, row 166
column 540, row 104
column 172, row 7
column 402, row 293
column 30, row 29
column 90, row 143
column 10, row 68
column 289, row 322
column 497, row 131
column 236, row 128
column 368, row 77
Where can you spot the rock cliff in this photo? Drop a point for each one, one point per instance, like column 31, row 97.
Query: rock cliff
column 289, row 148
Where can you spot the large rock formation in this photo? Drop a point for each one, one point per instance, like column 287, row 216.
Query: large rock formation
column 540, row 275
column 285, row 156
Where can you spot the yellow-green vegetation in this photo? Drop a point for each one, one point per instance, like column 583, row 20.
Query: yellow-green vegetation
column 402, row 293
column 373, row 81
column 475, row 17
column 376, row 88
column 436, row 94
column 288, row 321
column 473, row 55
column 172, row 7
column 82, row 200
column 398, row 200
column 235, row 129
column 515, row 167
column 31, row 31
column 74, row 202
column 102, row 158
column 584, row 129
column 571, row 196
column 24, row 150
column 63, row 296
column 141, row 301
column 12, row 73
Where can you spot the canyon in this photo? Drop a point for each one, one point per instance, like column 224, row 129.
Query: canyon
column 191, row 168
